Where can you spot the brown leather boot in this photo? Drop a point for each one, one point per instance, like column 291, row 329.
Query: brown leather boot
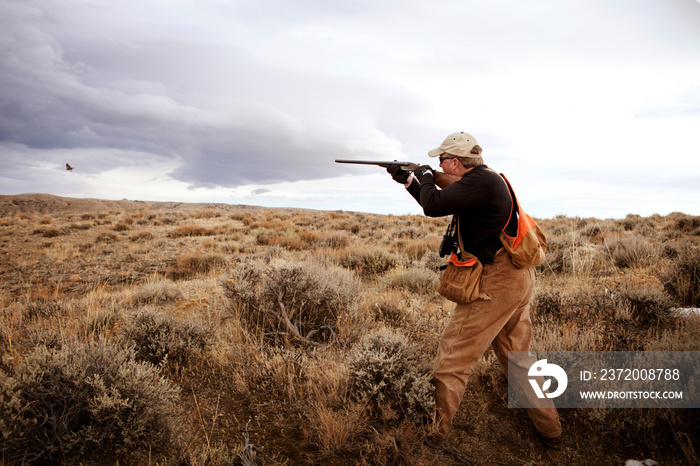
column 554, row 442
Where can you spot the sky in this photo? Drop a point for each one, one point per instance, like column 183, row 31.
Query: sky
column 591, row 108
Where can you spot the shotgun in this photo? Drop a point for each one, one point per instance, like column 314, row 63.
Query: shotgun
column 442, row 180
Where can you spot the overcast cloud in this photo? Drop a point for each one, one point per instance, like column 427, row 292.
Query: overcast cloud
column 591, row 108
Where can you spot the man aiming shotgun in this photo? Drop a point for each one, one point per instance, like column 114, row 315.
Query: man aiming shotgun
column 482, row 205
column 442, row 180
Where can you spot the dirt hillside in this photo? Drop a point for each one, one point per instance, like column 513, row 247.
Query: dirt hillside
column 47, row 203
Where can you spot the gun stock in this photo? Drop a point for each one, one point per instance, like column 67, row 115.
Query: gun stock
column 442, row 180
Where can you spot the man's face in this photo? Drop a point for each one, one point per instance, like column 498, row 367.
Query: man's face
column 449, row 164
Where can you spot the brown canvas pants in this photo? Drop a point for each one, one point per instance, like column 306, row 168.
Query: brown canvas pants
column 502, row 322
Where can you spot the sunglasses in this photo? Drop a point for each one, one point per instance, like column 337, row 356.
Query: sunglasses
column 442, row 159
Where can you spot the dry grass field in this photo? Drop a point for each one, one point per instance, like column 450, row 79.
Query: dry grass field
column 147, row 333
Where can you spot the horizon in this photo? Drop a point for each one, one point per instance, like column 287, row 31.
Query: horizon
column 292, row 208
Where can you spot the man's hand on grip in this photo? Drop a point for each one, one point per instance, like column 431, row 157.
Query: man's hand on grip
column 422, row 171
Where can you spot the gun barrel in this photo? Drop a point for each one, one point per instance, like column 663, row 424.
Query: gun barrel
column 381, row 163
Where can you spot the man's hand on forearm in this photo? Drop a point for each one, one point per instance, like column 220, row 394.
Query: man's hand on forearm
column 398, row 174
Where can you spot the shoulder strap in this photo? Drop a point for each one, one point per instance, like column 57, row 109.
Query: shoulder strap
column 514, row 204
column 459, row 237
column 524, row 221
column 453, row 228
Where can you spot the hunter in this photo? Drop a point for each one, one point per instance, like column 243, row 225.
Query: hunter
column 501, row 316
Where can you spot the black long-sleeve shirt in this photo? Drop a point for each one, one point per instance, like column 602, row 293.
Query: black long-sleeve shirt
column 480, row 197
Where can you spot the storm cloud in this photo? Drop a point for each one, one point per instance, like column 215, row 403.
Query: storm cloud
column 223, row 98
column 224, row 117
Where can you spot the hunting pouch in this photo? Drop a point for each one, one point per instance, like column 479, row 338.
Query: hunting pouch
column 527, row 248
column 460, row 280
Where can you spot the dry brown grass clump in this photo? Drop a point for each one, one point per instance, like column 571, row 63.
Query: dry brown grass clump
column 194, row 263
column 369, row 263
column 191, row 230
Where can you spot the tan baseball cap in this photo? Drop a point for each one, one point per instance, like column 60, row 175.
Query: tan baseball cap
column 457, row 144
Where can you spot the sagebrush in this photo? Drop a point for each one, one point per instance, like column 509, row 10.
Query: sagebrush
column 385, row 370
column 85, row 400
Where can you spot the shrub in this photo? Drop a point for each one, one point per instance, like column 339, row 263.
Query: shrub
column 106, row 237
column 571, row 253
column 243, row 287
column 418, row 280
column 572, row 303
column 80, row 226
column 391, row 308
column 309, row 293
column 101, row 320
column 410, row 232
column 308, row 237
column 384, row 370
column 335, row 239
column 207, row 213
column 554, row 256
column 142, row 236
column 431, row 260
column 168, row 220
column 191, row 264
column 649, row 306
column 48, row 232
column 290, row 239
column 547, row 302
column 417, row 248
column 684, row 337
column 372, row 262
column 158, row 337
column 304, row 298
column 684, row 223
column 191, row 230
column 630, row 221
column 155, row 292
column 683, row 278
column 351, row 226
column 268, row 238
column 83, row 399
column 633, row 251
column 295, row 243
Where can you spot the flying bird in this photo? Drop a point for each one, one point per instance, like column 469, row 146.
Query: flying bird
column 69, row 168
